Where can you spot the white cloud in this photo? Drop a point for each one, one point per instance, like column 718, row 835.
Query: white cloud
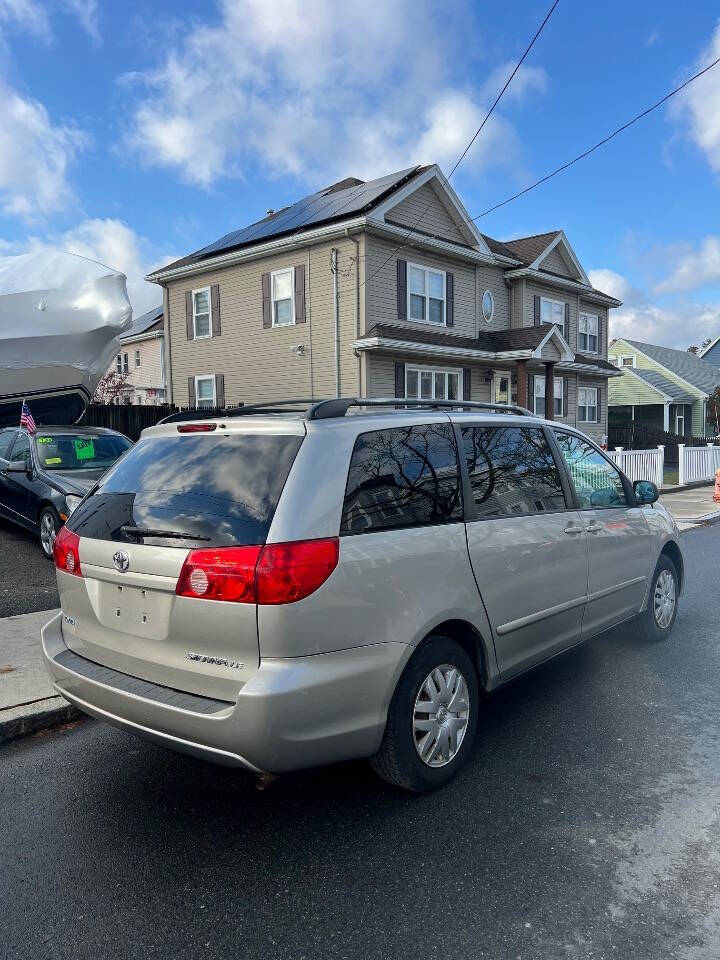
column 28, row 15
column 313, row 90
column 696, row 268
column 117, row 245
column 652, row 38
column 678, row 324
column 698, row 107
column 86, row 13
column 34, row 157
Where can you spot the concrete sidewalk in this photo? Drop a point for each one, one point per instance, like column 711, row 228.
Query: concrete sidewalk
column 27, row 699
column 692, row 506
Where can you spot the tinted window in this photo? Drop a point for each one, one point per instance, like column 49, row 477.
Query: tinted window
column 597, row 482
column 221, row 490
column 512, row 471
column 6, row 439
column 21, row 448
column 402, row 477
column 67, row 451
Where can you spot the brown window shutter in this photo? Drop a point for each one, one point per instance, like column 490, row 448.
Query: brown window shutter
column 566, row 393
column 599, row 335
column 300, row 293
column 215, row 307
column 449, row 299
column 402, row 290
column 399, row 379
column 566, row 331
column 599, row 405
column 531, row 392
column 189, row 329
column 191, row 392
column 219, row 389
column 536, row 311
column 266, row 302
column 467, row 383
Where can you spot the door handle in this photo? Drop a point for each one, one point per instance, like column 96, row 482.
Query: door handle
column 594, row 527
column 573, row 529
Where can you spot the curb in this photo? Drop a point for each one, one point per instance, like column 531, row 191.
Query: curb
column 30, row 717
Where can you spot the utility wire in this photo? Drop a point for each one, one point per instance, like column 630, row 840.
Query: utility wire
column 600, row 143
column 472, row 141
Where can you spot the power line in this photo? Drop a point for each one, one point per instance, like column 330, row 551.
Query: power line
column 600, row 143
column 472, row 141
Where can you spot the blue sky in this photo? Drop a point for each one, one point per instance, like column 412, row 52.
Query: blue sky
column 137, row 132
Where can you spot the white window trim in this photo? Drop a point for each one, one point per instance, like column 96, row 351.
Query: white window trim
column 275, row 273
column 126, row 363
column 552, row 323
column 427, row 270
column 137, row 359
column 208, row 335
column 625, row 356
column 434, row 370
column 586, row 405
column 492, row 312
column 205, row 376
column 597, row 335
column 118, row 364
column 560, row 380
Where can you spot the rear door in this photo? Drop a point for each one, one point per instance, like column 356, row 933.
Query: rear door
column 619, row 539
column 172, row 493
column 527, row 544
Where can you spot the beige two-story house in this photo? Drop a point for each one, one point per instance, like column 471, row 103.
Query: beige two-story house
column 140, row 364
column 387, row 289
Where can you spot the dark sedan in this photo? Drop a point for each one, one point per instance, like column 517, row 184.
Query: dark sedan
column 44, row 476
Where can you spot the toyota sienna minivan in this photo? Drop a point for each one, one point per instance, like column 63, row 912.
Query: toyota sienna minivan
column 281, row 587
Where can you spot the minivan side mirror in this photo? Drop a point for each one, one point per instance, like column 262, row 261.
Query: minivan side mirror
column 645, row 491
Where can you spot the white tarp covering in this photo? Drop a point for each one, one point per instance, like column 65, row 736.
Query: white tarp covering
column 60, row 318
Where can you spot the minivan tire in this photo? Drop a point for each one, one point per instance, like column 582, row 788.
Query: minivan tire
column 48, row 520
column 658, row 619
column 398, row 760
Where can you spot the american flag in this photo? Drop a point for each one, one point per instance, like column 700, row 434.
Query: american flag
column 26, row 419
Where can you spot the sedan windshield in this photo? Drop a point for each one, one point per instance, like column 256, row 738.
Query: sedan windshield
column 67, row 451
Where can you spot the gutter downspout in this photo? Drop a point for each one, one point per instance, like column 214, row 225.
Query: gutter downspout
column 336, row 316
column 357, row 308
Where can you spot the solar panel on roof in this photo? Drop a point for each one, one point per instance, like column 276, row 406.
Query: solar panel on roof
column 324, row 205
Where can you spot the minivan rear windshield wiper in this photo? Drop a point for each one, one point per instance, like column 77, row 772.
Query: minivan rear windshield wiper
column 152, row 532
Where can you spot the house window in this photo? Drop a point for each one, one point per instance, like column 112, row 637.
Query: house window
column 588, row 333
column 624, row 361
column 205, row 391
column 283, row 311
column 558, row 384
column 118, row 363
column 426, row 295
column 201, row 313
column 430, row 383
column 680, row 424
column 137, row 358
column 488, row 306
column 587, row 405
column 126, row 365
column 552, row 311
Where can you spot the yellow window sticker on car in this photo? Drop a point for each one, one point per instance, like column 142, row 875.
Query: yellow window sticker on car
column 50, row 460
column 84, row 449
column 44, row 439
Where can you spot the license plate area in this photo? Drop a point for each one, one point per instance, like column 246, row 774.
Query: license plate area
column 140, row 611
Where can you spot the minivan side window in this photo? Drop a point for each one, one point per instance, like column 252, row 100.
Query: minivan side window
column 402, row 477
column 512, row 471
column 597, row 482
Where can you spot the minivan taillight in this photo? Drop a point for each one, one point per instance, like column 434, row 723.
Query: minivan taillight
column 273, row 574
column 66, row 552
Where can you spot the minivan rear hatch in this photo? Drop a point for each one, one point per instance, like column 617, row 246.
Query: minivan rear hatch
column 173, row 493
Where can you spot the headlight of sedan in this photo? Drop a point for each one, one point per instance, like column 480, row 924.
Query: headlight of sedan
column 72, row 501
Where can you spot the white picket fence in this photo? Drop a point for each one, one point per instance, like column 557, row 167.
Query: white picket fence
column 641, row 464
column 697, row 463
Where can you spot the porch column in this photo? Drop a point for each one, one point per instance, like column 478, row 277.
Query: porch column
column 666, row 418
column 522, row 397
column 549, row 389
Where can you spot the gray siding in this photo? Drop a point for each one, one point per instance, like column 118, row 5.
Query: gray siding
column 555, row 264
column 601, row 312
column 493, row 279
column 258, row 363
column 535, row 289
column 381, row 374
column 425, row 205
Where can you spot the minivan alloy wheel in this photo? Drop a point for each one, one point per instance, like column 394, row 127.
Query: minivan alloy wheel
column 664, row 599
column 440, row 715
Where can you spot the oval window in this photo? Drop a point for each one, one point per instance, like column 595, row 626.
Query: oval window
column 488, row 306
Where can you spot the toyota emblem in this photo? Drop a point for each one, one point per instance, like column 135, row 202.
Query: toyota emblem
column 121, row 560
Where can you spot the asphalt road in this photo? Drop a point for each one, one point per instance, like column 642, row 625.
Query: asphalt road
column 27, row 579
column 586, row 827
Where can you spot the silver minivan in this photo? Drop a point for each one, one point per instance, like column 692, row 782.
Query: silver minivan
column 287, row 586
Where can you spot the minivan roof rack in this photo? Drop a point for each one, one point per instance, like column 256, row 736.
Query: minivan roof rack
column 339, row 406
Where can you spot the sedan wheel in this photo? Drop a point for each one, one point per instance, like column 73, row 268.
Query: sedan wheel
column 49, row 524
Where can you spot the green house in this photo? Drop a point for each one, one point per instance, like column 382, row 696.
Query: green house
column 661, row 388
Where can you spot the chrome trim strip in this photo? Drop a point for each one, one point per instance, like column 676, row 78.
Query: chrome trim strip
column 521, row 622
column 599, row 594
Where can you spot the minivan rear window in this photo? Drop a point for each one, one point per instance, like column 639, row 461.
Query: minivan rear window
column 219, row 490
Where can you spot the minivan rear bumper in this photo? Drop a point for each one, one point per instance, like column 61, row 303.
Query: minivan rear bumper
column 292, row 713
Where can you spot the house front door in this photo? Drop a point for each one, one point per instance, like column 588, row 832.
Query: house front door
column 501, row 388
